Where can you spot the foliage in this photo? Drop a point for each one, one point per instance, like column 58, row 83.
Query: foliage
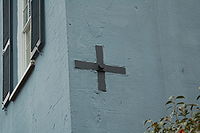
column 183, row 118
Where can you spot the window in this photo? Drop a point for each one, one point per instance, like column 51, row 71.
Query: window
column 23, row 39
column 26, row 31
column 24, row 46
column 6, row 50
column 25, row 49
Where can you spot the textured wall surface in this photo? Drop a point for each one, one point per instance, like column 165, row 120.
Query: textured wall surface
column 158, row 41
column 43, row 106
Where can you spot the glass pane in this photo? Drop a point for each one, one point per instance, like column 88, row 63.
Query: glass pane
column 25, row 2
column 29, row 8
column 26, row 14
column 28, row 47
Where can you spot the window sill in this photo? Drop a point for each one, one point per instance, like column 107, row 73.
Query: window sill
column 22, row 81
column 6, row 101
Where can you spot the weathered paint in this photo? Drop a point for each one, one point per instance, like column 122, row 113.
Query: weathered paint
column 43, row 105
column 156, row 40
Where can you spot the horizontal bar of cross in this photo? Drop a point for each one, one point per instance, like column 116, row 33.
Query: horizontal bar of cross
column 100, row 67
column 95, row 66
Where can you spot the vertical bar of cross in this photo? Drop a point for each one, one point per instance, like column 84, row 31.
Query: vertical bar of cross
column 100, row 67
column 101, row 72
column 99, row 54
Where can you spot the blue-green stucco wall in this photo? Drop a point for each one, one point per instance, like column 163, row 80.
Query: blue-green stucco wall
column 158, row 41
column 43, row 105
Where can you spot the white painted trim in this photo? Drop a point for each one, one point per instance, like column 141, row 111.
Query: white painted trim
column 27, row 25
column 20, row 39
column 6, row 100
column 22, row 80
column 23, row 32
column 7, row 44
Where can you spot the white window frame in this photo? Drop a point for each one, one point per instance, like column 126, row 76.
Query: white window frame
column 24, row 48
column 24, row 68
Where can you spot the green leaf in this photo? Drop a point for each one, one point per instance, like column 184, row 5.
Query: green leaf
column 171, row 98
column 180, row 97
column 198, row 97
column 181, row 103
column 147, row 121
column 155, row 124
column 183, row 120
column 162, row 119
column 192, row 105
column 182, row 117
column 168, row 102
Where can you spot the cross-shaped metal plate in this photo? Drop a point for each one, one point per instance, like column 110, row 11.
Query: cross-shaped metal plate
column 100, row 67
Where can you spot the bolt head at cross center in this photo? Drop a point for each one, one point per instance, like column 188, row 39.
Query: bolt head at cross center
column 101, row 67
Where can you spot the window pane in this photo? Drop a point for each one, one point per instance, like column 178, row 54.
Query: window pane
column 26, row 14
column 6, row 19
column 6, row 72
column 28, row 47
column 25, row 2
